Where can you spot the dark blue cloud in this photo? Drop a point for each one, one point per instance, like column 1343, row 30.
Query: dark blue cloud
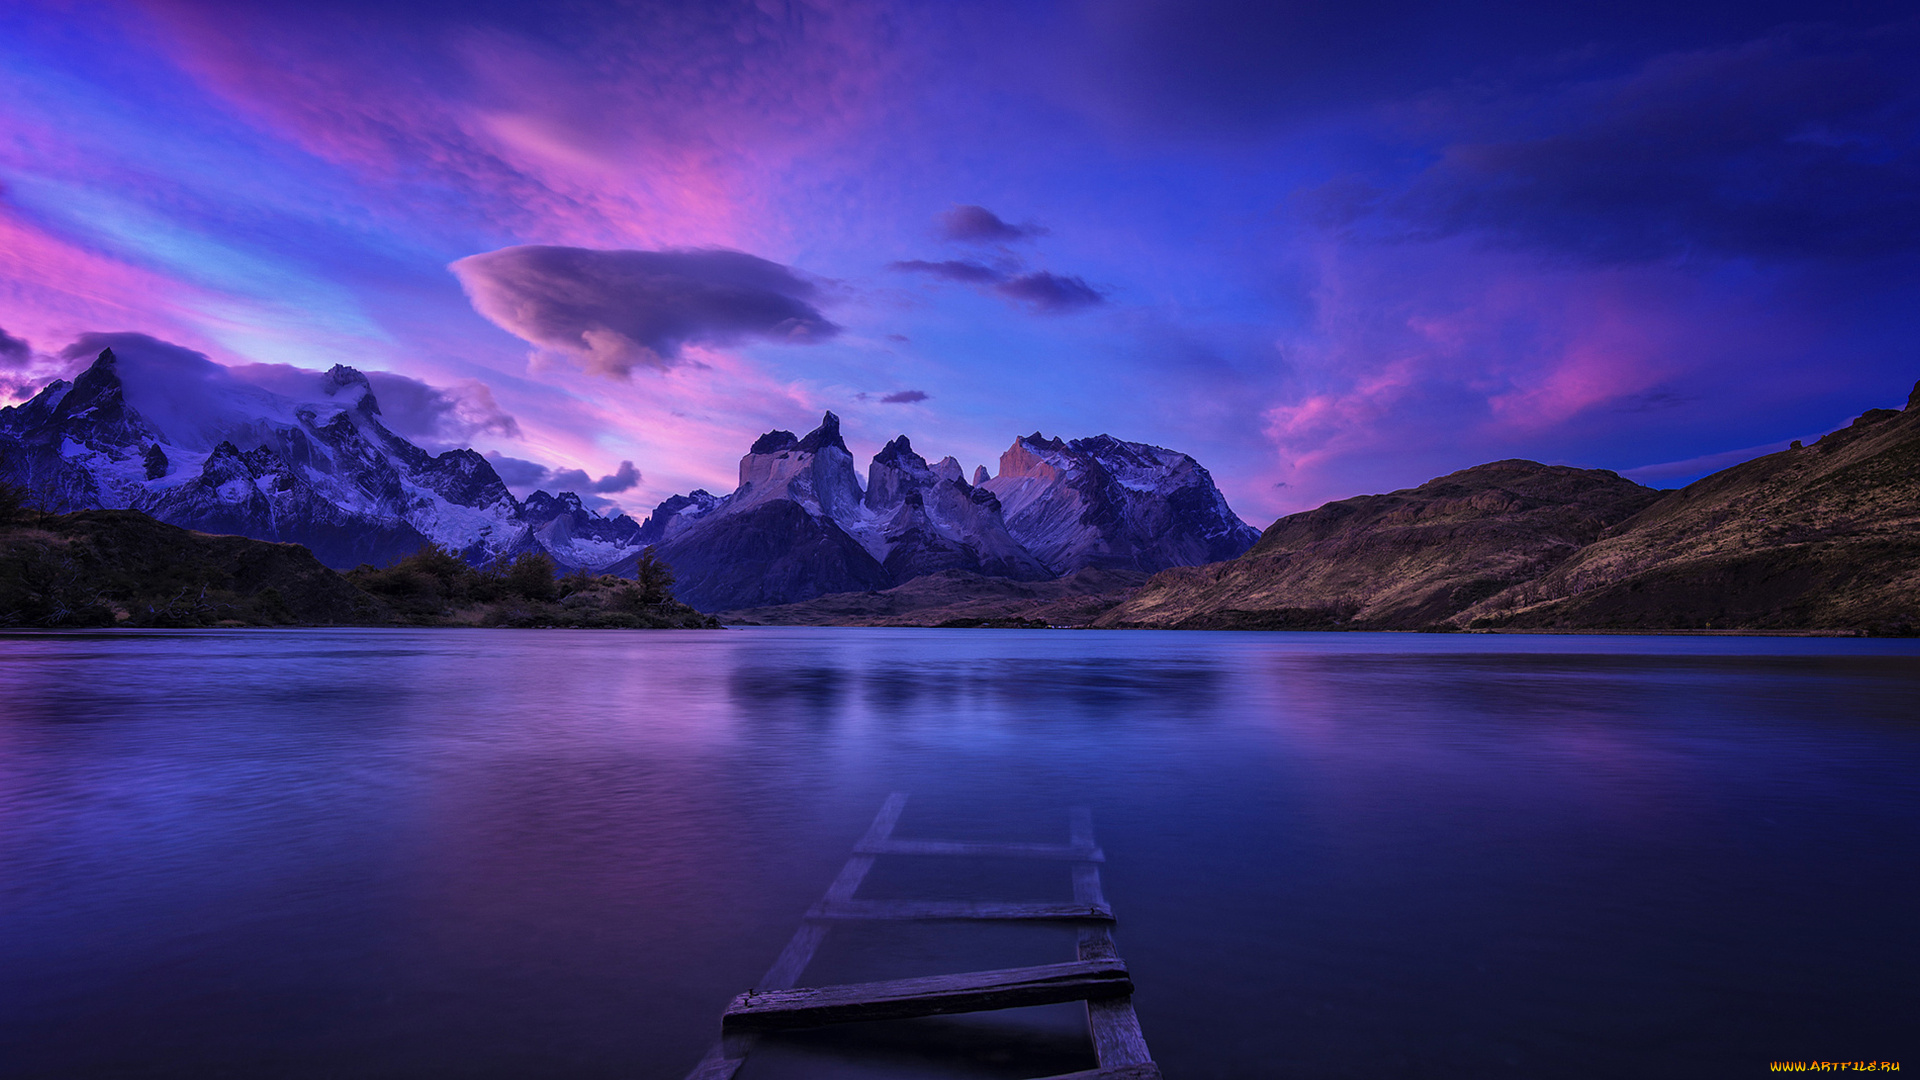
column 13, row 351
column 1045, row 291
column 521, row 474
column 905, row 397
column 618, row 310
column 1051, row 293
column 978, row 224
column 1803, row 145
column 1212, row 65
column 972, row 273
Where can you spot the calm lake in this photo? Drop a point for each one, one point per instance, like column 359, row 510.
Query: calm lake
column 490, row 853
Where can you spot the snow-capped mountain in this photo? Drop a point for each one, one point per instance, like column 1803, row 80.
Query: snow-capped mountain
column 192, row 444
column 195, row 446
column 1114, row 504
column 801, row 525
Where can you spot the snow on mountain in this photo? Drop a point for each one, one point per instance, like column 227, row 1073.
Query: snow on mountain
column 181, row 438
column 1114, row 504
column 801, row 525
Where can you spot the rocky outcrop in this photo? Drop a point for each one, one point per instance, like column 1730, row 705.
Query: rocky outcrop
column 1406, row 560
column 930, row 520
column 778, row 538
column 1110, row 503
column 576, row 536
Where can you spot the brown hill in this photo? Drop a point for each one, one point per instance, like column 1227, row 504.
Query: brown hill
column 1406, row 560
column 1821, row 537
column 958, row 598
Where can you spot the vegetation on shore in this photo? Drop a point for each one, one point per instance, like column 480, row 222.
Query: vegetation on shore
column 434, row 587
column 108, row 568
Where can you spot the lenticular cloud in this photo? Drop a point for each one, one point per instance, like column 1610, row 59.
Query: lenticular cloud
column 618, row 310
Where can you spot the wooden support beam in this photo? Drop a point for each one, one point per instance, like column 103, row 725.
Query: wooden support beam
column 955, row 910
column 1115, row 1028
column 981, row 851
column 898, row 999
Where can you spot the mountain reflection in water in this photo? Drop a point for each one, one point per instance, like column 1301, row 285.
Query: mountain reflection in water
column 552, row 853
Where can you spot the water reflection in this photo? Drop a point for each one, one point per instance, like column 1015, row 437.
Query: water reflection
column 321, row 853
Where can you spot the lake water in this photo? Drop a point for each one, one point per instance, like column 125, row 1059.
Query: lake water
column 379, row 853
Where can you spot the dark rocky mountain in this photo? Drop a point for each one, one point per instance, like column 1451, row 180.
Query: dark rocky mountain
column 931, row 520
column 576, row 536
column 206, row 451
column 1114, row 504
column 780, row 536
column 1816, row 538
column 1404, row 560
column 800, row 525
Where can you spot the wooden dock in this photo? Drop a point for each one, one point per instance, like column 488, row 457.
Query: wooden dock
column 1096, row 976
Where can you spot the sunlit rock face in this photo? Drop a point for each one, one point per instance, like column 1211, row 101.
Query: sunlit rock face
column 194, row 447
column 1114, row 504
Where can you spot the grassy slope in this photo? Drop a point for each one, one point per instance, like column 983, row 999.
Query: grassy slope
column 1405, row 560
column 1820, row 537
column 122, row 568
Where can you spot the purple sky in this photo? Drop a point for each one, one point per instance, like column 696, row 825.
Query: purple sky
column 1327, row 248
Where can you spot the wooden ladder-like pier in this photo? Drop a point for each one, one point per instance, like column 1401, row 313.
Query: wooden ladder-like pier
column 1097, row 976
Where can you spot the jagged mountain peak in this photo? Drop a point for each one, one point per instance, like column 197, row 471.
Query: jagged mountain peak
column 351, row 384
column 899, row 454
column 774, row 441
column 827, row 434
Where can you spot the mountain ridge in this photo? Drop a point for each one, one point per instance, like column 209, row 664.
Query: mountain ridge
column 1821, row 537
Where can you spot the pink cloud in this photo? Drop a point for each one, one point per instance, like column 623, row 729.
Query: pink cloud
column 1423, row 359
column 658, row 127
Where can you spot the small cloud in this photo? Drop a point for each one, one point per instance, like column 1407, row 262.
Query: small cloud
column 13, row 351
column 972, row 273
column 625, row 478
column 618, row 310
column 1045, row 291
column 976, row 224
column 517, row 472
column 901, row 338
column 905, row 397
column 1051, row 293
column 528, row 475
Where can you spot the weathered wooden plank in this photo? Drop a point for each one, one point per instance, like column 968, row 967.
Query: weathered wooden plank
column 1147, row 1071
column 977, row 850
column 731, row 1051
column 934, row 910
column 898, row 999
column 1117, row 1039
column 806, row 941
